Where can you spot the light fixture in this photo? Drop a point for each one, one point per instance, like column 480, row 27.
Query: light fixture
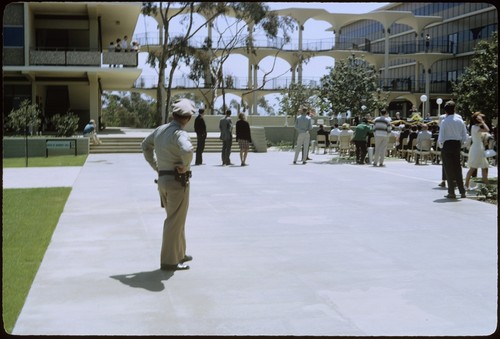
column 423, row 98
column 439, row 101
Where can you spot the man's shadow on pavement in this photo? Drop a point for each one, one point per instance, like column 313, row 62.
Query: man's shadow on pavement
column 151, row 281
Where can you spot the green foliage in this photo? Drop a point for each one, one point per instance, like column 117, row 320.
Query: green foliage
column 349, row 86
column 296, row 96
column 477, row 88
column 487, row 192
column 202, row 62
column 264, row 104
column 28, row 220
column 25, row 118
column 66, row 124
column 132, row 110
column 281, row 145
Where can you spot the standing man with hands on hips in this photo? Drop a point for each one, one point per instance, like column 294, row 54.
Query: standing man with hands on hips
column 169, row 151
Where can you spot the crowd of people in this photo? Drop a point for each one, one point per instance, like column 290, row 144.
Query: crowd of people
column 169, row 151
column 452, row 137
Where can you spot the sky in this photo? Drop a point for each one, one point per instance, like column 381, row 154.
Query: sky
column 314, row 30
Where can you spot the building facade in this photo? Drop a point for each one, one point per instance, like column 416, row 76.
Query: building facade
column 426, row 61
column 56, row 54
column 419, row 49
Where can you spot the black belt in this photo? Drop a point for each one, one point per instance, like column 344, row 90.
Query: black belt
column 162, row 173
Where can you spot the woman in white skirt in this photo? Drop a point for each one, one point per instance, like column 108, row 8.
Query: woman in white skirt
column 477, row 158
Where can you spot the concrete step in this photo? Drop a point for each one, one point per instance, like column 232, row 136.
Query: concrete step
column 133, row 145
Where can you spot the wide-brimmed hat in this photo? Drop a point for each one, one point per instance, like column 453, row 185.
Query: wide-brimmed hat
column 183, row 107
column 345, row 126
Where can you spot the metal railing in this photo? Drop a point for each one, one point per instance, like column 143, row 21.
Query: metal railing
column 282, row 83
column 396, row 47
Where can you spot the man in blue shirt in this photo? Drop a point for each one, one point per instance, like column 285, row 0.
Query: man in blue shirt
column 90, row 131
column 452, row 135
column 303, row 125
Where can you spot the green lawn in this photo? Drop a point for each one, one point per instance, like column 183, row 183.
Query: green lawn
column 29, row 218
column 61, row 160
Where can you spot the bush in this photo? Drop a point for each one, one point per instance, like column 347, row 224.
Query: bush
column 25, row 118
column 66, row 125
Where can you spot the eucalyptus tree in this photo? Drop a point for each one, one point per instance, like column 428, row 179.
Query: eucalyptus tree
column 174, row 48
column 297, row 95
column 351, row 86
column 128, row 110
column 208, row 61
column 477, row 88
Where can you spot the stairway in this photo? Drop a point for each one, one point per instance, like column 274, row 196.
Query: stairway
column 133, row 145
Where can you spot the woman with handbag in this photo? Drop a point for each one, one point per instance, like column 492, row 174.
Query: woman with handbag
column 477, row 158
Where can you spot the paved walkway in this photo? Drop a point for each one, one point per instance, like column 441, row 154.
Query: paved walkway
column 321, row 249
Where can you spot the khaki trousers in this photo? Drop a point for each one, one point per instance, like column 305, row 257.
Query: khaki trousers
column 175, row 199
column 380, row 149
column 303, row 140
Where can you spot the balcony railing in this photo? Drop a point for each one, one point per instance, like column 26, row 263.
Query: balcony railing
column 317, row 45
column 56, row 57
column 282, row 83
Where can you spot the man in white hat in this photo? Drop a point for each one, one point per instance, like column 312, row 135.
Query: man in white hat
column 169, row 151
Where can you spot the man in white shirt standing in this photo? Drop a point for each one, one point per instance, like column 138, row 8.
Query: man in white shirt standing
column 124, row 44
column 381, row 130
column 303, row 125
column 452, row 135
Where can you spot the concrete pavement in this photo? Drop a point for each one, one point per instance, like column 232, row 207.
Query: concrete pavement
column 323, row 249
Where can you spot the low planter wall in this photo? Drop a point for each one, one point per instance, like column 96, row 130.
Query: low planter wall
column 15, row 147
column 276, row 135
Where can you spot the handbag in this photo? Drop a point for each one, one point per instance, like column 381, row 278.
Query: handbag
column 489, row 153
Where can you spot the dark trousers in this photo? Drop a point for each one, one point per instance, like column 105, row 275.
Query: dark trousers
column 361, row 151
column 200, row 147
column 450, row 154
column 226, row 151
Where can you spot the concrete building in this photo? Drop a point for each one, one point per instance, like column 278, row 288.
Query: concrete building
column 56, row 54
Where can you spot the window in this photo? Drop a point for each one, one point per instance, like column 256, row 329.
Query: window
column 452, row 43
column 13, row 36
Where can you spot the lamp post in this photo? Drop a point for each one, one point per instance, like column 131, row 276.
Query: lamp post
column 423, row 98
column 439, row 101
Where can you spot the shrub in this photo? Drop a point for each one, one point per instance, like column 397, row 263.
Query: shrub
column 27, row 116
column 66, row 125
